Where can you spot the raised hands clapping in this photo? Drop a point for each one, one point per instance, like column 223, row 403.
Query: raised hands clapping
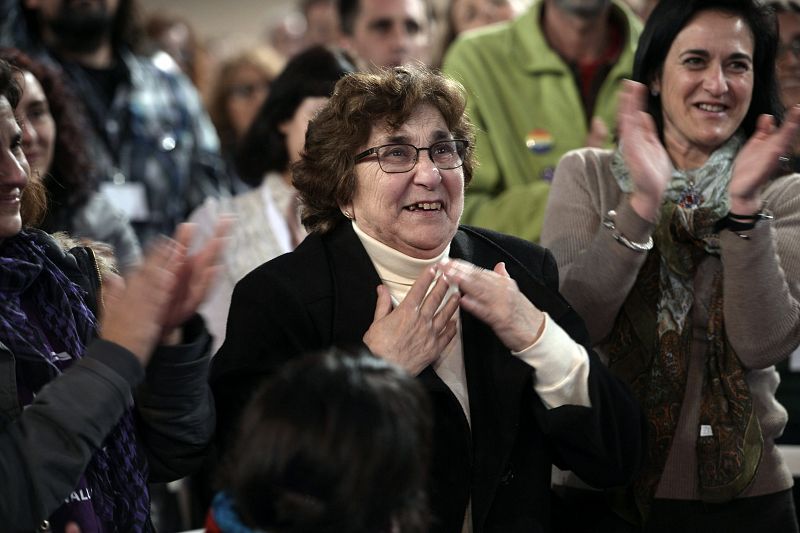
column 647, row 160
column 758, row 160
column 161, row 294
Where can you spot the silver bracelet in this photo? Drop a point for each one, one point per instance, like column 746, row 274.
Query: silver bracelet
column 608, row 223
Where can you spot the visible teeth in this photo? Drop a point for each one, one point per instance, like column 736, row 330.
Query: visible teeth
column 426, row 206
column 712, row 108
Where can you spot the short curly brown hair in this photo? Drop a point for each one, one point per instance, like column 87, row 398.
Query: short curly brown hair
column 325, row 176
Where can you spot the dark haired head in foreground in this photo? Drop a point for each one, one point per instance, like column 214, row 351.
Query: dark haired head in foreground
column 335, row 442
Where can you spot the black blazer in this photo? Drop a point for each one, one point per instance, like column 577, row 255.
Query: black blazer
column 324, row 293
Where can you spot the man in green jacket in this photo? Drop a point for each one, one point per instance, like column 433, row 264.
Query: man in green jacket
column 539, row 86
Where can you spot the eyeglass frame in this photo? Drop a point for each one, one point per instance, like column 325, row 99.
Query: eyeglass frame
column 374, row 150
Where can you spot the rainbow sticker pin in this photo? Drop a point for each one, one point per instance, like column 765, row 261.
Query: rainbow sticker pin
column 539, row 141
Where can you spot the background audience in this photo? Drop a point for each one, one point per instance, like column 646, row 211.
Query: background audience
column 52, row 140
column 174, row 35
column 386, row 33
column 539, row 86
column 241, row 84
column 268, row 217
column 149, row 136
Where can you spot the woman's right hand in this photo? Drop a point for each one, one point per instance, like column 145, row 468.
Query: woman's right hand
column 645, row 156
column 414, row 334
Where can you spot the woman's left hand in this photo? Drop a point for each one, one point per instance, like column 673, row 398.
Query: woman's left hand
column 194, row 276
column 494, row 298
column 758, row 160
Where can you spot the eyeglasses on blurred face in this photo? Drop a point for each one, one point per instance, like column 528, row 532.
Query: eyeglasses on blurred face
column 397, row 158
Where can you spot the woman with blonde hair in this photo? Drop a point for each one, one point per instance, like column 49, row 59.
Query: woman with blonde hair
column 239, row 89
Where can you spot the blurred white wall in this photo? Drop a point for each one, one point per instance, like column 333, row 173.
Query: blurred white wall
column 228, row 24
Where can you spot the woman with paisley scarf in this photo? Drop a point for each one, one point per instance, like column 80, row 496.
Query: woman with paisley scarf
column 681, row 250
column 83, row 427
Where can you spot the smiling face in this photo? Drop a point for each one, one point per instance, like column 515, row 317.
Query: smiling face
column 13, row 171
column 38, row 126
column 414, row 212
column 706, row 85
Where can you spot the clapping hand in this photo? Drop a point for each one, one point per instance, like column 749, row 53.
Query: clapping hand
column 162, row 293
column 415, row 333
column 194, row 274
column 758, row 160
column 645, row 156
column 134, row 309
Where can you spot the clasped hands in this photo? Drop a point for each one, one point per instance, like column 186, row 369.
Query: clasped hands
column 415, row 333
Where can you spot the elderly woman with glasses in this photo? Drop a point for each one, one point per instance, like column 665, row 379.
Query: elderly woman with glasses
column 474, row 314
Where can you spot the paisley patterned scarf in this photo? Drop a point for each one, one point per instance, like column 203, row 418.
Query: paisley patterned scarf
column 649, row 346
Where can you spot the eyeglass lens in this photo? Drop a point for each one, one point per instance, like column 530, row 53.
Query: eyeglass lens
column 445, row 155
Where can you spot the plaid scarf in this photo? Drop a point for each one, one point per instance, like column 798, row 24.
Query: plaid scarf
column 116, row 473
column 649, row 346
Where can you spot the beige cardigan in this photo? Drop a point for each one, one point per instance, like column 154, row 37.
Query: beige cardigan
column 761, row 291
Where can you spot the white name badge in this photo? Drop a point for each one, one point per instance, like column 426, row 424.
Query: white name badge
column 130, row 198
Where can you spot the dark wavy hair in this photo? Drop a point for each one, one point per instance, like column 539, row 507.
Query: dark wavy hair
column 69, row 181
column 33, row 201
column 309, row 74
column 325, row 175
column 336, row 442
column 670, row 17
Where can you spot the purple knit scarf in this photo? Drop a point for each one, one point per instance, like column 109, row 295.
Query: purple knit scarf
column 116, row 473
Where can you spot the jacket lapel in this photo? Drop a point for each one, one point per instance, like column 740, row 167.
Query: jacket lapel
column 354, row 281
column 496, row 380
column 490, row 368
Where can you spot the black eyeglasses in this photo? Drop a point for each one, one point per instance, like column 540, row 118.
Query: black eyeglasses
column 793, row 46
column 396, row 158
